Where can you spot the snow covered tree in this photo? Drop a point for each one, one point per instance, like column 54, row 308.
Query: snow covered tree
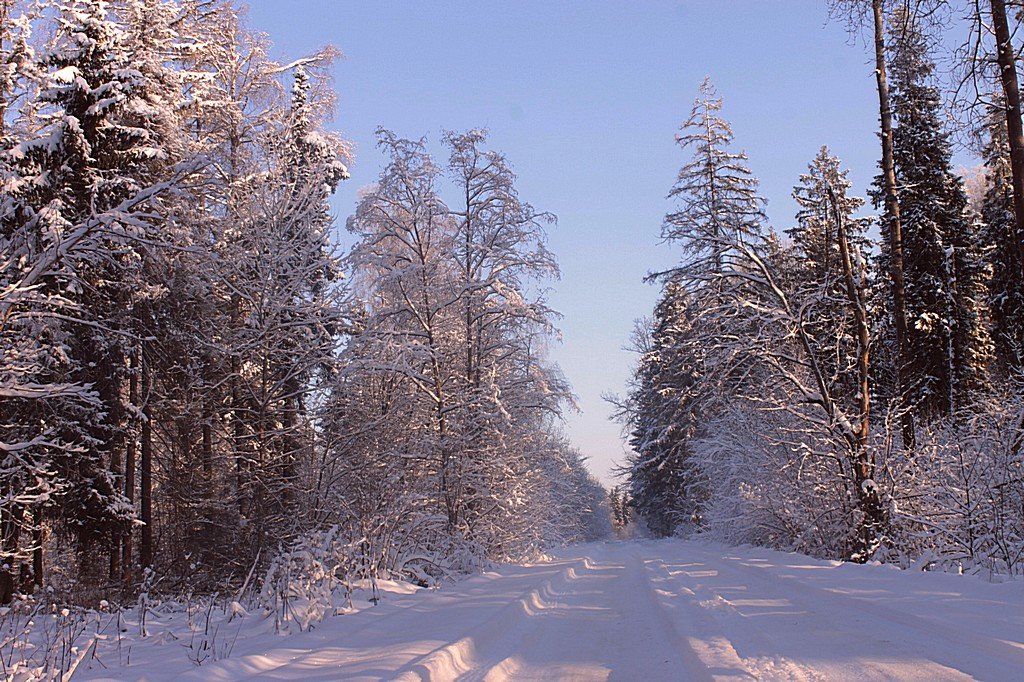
column 499, row 249
column 233, row 109
column 448, row 347
column 150, row 371
column 766, row 354
column 576, row 507
column 1006, row 287
column 719, row 222
column 948, row 346
column 665, row 484
column 715, row 191
column 1006, row 61
column 282, row 270
column 960, row 500
column 87, row 178
column 410, row 287
column 620, row 507
column 113, row 147
column 719, row 217
column 817, row 272
column 17, row 63
column 856, row 13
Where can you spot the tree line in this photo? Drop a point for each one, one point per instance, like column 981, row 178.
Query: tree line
column 195, row 377
column 834, row 389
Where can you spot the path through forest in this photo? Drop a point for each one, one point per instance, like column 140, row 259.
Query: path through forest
column 665, row 610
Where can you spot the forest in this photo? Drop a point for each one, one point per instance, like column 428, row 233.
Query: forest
column 205, row 399
column 197, row 384
column 850, row 386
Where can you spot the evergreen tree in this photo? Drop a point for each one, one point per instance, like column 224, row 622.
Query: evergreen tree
column 100, row 147
column 283, row 270
column 719, row 224
column 768, row 371
column 718, row 219
column 664, row 482
column 948, row 343
column 715, row 192
column 1006, row 287
column 816, row 274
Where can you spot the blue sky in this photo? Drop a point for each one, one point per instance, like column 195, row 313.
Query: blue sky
column 585, row 98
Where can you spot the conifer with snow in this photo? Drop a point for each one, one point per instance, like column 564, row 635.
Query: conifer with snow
column 1006, row 286
column 665, row 485
column 948, row 346
column 817, row 273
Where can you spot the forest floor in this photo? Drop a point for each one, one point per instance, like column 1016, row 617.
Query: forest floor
column 647, row 610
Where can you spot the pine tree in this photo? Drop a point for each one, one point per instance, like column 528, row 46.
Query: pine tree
column 768, row 375
column 718, row 221
column 1006, row 288
column 947, row 340
column 664, row 483
column 715, row 192
column 817, row 274
column 96, row 151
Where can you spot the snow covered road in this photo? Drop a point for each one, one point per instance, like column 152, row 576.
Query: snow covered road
column 667, row 610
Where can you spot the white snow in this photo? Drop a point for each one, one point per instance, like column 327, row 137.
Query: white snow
column 66, row 75
column 651, row 610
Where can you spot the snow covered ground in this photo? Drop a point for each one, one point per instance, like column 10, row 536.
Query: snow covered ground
column 650, row 610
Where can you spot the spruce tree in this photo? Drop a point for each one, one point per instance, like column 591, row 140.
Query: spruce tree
column 664, row 483
column 1006, row 287
column 719, row 222
column 715, row 192
column 947, row 339
column 283, row 269
column 96, row 151
column 816, row 276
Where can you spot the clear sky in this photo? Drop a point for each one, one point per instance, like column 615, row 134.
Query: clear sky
column 584, row 97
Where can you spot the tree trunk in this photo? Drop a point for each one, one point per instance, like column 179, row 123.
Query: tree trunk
column 855, row 293
column 868, row 500
column 237, row 426
column 129, row 467
column 116, row 536
column 892, row 209
column 146, row 469
column 37, row 552
column 5, row 27
column 1005, row 56
column 10, row 533
column 207, row 438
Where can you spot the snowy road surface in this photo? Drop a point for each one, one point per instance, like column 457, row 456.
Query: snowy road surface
column 667, row 610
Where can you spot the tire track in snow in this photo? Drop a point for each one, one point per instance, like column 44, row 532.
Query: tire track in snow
column 996, row 658
column 501, row 630
column 639, row 586
column 716, row 639
column 840, row 639
column 595, row 620
column 542, row 651
column 651, row 611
